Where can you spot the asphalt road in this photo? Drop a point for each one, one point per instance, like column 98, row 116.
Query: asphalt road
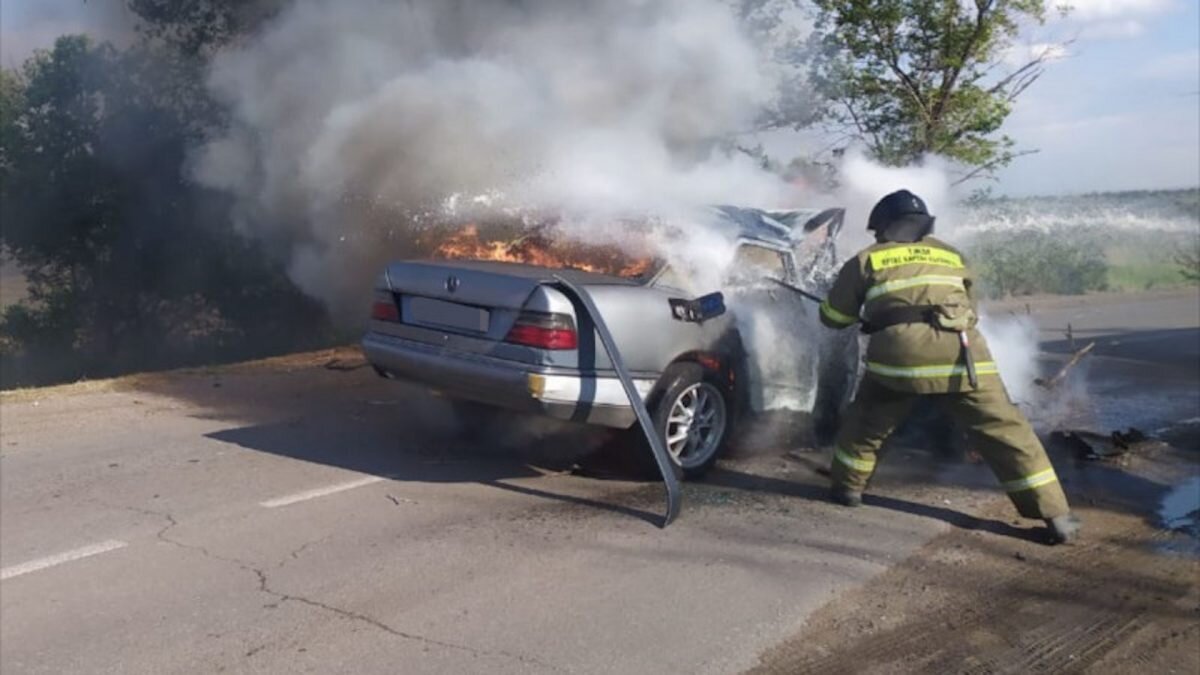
column 286, row 517
column 1161, row 327
column 1145, row 367
column 293, row 518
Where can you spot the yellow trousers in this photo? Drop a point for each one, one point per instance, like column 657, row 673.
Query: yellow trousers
column 997, row 430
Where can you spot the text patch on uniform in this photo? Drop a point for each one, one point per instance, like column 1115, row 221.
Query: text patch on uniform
column 914, row 255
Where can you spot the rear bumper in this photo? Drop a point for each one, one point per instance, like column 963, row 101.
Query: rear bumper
column 557, row 393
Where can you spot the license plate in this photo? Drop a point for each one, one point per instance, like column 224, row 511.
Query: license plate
column 442, row 314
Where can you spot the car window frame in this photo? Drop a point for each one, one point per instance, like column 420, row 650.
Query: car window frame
column 786, row 255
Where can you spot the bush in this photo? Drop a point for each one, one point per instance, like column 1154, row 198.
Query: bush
column 1189, row 264
column 1023, row 262
column 129, row 265
column 1145, row 276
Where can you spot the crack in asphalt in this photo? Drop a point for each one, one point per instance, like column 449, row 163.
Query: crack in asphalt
column 295, row 554
column 264, row 587
column 256, row 650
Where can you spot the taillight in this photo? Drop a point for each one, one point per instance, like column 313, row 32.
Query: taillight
column 544, row 331
column 384, row 308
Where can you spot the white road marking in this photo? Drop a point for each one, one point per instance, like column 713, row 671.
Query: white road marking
column 319, row 492
column 50, row 561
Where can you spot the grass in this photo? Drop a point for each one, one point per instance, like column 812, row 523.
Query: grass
column 1141, row 276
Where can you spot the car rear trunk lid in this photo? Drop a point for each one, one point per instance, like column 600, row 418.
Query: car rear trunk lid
column 473, row 306
column 460, row 284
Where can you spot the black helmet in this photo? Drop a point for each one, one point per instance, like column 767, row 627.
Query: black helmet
column 900, row 216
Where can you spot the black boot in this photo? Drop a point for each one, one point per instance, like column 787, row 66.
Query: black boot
column 845, row 496
column 1063, row 529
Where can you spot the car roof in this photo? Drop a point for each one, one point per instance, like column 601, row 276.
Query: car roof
column 771, row 227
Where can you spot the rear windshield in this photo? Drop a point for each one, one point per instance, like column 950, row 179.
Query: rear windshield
column 545, row 244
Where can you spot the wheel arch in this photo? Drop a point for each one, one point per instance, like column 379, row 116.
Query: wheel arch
column 725, row 362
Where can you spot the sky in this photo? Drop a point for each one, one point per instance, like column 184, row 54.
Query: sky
column 26, row 25
column 1119, row 109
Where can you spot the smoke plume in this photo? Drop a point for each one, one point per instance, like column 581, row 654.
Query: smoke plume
column 356, row 125
column 355, row 122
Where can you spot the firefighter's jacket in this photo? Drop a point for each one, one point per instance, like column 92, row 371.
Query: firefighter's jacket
column 913, row 357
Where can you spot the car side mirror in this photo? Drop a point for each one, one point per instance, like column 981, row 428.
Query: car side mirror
column 698, row 310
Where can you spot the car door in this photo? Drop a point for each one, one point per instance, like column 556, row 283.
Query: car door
column 778, row 331
column 815, row 249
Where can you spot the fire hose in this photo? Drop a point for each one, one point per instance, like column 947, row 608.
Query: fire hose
column 799, row 291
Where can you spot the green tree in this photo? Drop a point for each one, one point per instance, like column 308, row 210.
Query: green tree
column 196, row 27
column 915, row 77
column 12, row 101
column 130, row 266
column 779, row 28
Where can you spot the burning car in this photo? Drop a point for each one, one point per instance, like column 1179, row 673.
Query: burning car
column 486, row 323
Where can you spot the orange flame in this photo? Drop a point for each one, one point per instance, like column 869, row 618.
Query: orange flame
column 536, row 248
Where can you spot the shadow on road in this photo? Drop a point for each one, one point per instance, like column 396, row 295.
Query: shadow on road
column 819, row 492
column 434, row 459
column 302, row 409
column 380, row 444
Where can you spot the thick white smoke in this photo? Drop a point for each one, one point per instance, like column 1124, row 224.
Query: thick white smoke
column 356, row 123
column 1013, row 342
column 864, row 182
column 352, row 121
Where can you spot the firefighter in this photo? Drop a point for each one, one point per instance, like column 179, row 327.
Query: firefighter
column 912, row 294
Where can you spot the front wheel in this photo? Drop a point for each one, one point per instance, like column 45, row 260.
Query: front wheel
column 691, row 415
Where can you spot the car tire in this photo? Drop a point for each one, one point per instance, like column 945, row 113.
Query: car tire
column 692, row 402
